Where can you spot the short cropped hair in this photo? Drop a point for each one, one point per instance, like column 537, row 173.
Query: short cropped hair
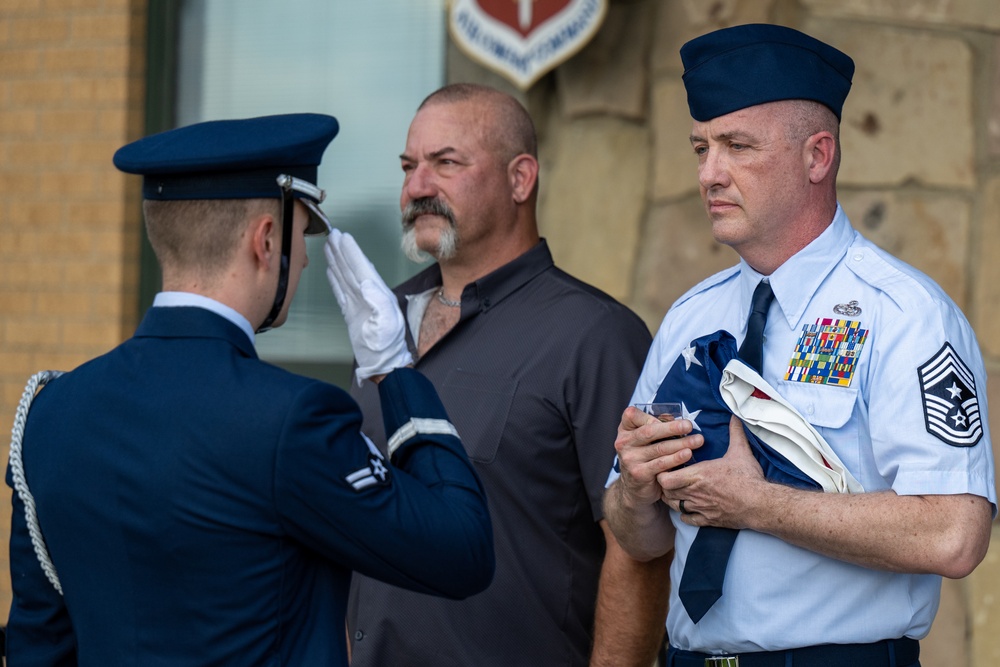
column 804, row 118
column 200, row 235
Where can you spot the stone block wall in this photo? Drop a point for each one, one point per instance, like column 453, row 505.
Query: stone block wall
column 920, row 176
column 71, row 92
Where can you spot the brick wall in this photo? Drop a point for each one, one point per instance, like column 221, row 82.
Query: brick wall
column 71, row 93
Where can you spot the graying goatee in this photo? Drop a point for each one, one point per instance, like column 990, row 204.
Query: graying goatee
column 448, row 240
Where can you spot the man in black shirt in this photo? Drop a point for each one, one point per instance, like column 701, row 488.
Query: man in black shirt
column 534, row 368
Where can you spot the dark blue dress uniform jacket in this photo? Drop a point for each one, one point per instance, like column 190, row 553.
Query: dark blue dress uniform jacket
column 198, row 506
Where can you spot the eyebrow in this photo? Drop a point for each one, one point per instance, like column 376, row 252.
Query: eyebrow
column 736, row 135
column 436, row 154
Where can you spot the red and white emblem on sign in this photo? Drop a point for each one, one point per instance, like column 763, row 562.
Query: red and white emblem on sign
column 524, row 39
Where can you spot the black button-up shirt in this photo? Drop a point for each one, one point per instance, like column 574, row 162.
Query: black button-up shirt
column 535, row 376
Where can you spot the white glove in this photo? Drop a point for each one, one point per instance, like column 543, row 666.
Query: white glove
column 374, row 323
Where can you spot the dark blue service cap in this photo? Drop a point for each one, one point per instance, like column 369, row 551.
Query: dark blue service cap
column 232, row 159
column 746, row 65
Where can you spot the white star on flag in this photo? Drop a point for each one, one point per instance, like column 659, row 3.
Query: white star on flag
column 690, row 358
column 690, row 416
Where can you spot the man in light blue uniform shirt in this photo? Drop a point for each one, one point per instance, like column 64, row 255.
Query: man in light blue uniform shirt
column 867, row 349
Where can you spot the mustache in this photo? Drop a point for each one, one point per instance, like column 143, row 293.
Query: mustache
column 427, row 206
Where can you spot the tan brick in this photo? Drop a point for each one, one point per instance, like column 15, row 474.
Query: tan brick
column 32, row 153
column 54, row 360
column 14, row 7
column 22, row 123
column 32, row 331
column 68, row 122
column 103, row 27
column 16, row 243
column 19, row 62
column 71, row 303
column 103, row 335
column 94, row 215
column 31, row 273
column 107, row 305
column 35, row 93
column 112, row 183
column 114, row 124
column 97, row 275
column 66, row 183
column 16, row 364
column 95, row 151
column 111, row 91
column 46, row 214
column 39, row 30
column 18, row 183
column 75, row 243
column 86, row 60
column 17, row 303
column 57, row 6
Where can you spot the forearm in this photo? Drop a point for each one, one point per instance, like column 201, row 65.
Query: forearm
column 644, row 531
column 945, row 534
column 631, row 608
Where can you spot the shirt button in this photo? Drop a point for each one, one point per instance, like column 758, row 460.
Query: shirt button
column 858, row 257
column 810, row 409
column 358, row 635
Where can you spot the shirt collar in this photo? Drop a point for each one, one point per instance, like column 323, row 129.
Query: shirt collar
column 174, row 299
column 486, row 292
column 796, row 281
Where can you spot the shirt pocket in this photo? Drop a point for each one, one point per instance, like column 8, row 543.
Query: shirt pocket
column 478, row 405
column 831, row 411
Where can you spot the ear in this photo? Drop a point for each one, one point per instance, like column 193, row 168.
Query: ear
column 522, row 172
column 263, row 231
column 819, row 153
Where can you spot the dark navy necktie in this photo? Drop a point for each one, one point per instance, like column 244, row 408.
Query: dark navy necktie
column 705, row 569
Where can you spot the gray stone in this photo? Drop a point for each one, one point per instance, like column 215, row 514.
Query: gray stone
column 947, row 643
column 909, row 114
column 678, row 21
column 675, row 167
column 928, row 230
column 984, row 596
column 978, row 14
column 677, row 252
column 993, row 121
column 610, row 75
column 593, row 194
column 986, row 299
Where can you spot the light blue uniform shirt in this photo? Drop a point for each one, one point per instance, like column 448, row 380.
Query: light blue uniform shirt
column 170, row 299
column 779, row 596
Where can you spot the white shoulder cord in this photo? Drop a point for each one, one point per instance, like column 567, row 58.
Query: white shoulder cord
column 17, row 472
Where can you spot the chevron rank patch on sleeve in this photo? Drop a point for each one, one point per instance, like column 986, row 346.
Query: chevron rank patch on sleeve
column 948, row 391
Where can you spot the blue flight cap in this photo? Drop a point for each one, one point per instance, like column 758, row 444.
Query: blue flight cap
column 746, row 65
column 235, row 159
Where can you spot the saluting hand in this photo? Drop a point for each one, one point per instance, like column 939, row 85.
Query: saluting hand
column 375, row 324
